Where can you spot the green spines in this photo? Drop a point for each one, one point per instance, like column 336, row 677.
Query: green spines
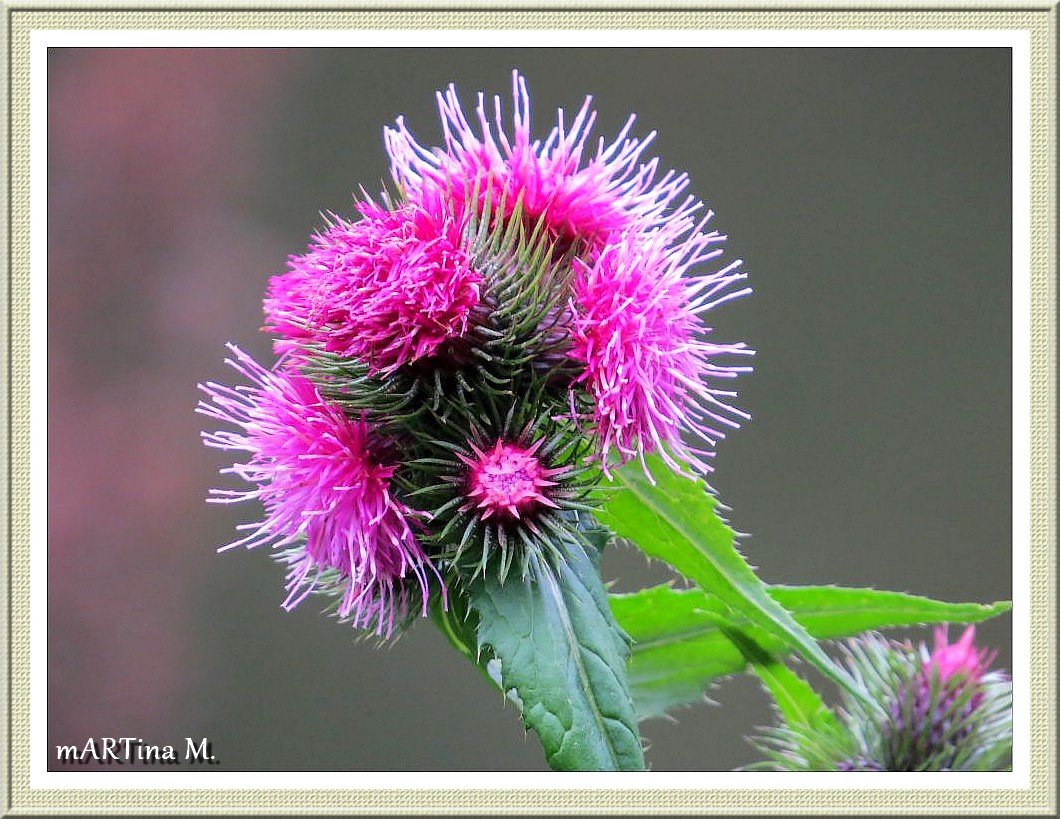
column 461, row 535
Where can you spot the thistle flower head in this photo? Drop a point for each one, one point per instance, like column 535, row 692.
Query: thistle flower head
column 937, row 706
column 637, row 334
column 389, row 289
column 507, row 481
column 578, row 196
column 318, row 475
column 940, row 710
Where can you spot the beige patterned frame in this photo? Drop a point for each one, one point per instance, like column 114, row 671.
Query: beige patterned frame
column 17, row 798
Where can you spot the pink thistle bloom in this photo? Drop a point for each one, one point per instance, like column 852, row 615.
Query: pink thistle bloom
column 314, row 470
column 637, row 332
column 577, row 196
column 390, row 289
column 962, row 660
column 508, row 481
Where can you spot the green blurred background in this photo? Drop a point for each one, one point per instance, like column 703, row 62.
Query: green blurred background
column 868, row 191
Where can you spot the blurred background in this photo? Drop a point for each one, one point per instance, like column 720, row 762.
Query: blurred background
column 867, row 190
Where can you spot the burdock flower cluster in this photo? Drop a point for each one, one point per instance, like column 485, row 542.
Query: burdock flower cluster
column 462, row 362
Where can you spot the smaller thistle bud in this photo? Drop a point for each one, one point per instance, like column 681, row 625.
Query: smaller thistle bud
column 940, row 710
column 505, row 490
column 935, row 712
column 508, row 481
column 960, row 660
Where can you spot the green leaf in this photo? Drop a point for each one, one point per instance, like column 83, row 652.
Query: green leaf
column 830, row 612
column 801, row 706
column 675, row 520
column 679, row 645
column 563, row 659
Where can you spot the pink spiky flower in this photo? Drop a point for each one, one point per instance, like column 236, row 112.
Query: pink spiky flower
column 390, row 289
column 317, row 474
column 577, row 196
column 933, row 710
column 960, row 660
column 954, row 669
column 940, row 702
column 508, row 481
column 637, row 334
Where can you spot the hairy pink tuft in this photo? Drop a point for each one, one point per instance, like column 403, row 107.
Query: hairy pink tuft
column 316, row 473
column 636, row 333
column 578, row 196
column 389, row 289
column 961, row 659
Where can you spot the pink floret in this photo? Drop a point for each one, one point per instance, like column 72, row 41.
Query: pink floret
column 508, row 481
column 578, row 195
column 389, row 289
column 637, row 334
column 315, row 471
column 961, row 659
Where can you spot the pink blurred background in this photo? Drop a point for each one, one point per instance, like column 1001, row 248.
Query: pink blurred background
column 153, row 157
